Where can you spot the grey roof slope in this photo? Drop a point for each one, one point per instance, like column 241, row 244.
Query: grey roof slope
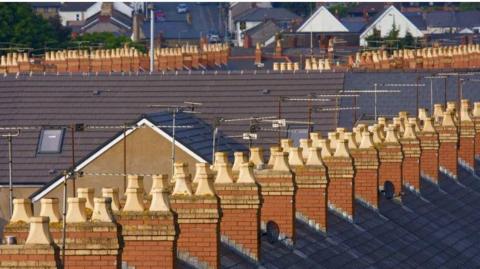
column 441, row 19
column 389, row 104
column 436, row 229
column 76, row 6
column 261, row 14
column 263, row 32
column 117, row 99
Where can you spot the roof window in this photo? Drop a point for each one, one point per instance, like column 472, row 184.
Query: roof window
column 51, row 141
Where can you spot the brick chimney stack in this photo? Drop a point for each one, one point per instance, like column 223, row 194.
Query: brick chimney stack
column 258, row 54
column 466, row 153
column 448, row 136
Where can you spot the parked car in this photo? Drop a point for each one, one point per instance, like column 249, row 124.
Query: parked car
column 182, row 8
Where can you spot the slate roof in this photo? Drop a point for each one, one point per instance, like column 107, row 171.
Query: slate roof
column 116, row 99
column 45, row 4
column 261, row 14
column 441, row 19
column 76, row 6
column 263, row 32
column 434, row 229
column 175, row 26
column 417, row 19
column 354, row 24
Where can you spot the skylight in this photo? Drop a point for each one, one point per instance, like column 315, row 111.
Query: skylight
column 51, row 141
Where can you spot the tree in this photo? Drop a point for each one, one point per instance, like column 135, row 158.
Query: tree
column 106, row 40
column 468, row 6
column 299, row 8
column 21, row 27
column 374, row 40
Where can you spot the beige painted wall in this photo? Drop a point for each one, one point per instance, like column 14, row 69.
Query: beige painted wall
column 147, row 153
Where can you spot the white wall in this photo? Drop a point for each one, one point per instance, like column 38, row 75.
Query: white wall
column 70, row 16
column 385, row 22
column 248, row 25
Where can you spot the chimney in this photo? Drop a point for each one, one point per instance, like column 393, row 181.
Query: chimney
column 258, row 54
column 340, row 174
column 411, row 157
column 476, row 120
column 365, row 157
column 429, row 145
column 466, row 153
column 311, row 195
column 198, row 221
column 49, row 208
column 277, row 189
column 157, row 238
column 390, row 170
column 240, row 204
column 18, row 225
column 448, row 137
column 278, row 48
column 106, row 9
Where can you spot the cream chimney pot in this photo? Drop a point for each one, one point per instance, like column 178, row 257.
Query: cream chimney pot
column 224, row 174
column 159, row 182
column 160, row 201
column 325, row 147
column 447, row 119
column 256, row 156
column 76, row 212
column 428, row 125
column 88, row 194
column 180, row 170
column 246, row 173
column 315, row 136
column 281, row 161
column 22, row 210
column 305, row 144
column 112, row 193
column 422, row 113
column 271, row 160
column 286, row 144
column 476, row 109
column 465, row 111
column 341, row 150
column 333, row 136
column 182, row 180
column 49, row 208
column 102, row 211
column 134, row 201
column 314, row 157
column 391, row 135
column 295, row 157
column 220, row 158
column 367, row 141
column 240, row 158
column 201, row 170
column 352, row 144
column 135, row 182
column 410, row 131
column 39, row 232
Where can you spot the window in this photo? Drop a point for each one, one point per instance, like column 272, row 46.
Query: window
column 78, row 17
column 51, row 141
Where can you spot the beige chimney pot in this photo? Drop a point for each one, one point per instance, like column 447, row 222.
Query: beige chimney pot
column 342, row 150
column 134, row 201
column 325, row 147
column 295, row 157
column 201, row 170
column 314, row 157
column 367, row 141
column 112, row 193
column 447, row 119
column 224, row 174
column 102, row 211
column 180, row 170
column 49, row 208
column 88, row 194
column 159, row 182
column 428, row 125
column 39, row 232
column 205, row 185
column 182, row 180
column 76, row 212
column 352, row 143
column 256, row 156
column 240, row 158
column 476, row 109
column 135, row 182
column 333, row 137
column 246, row 173
column 281, row 161
column 305, row 144
column 286, row 144
column 315, row 136
column 22, row 210
column 465, row 111
column 422, row 113
column 391, row 134
column 271, row 160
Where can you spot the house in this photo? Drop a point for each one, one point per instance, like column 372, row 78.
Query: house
column 78, row 13
column 255, row 16
column 115, row 100
column 235, row 9
column 441, row 22
column 46, row 9
column 322, row 21
column 384, row 22
column 263, row 33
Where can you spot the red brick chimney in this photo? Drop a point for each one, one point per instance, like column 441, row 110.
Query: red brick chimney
column 411, row 153
column 258, row 54
column 340, row 174
column 277, row 186
column 391, row 158
column 429, row 145
column 448, row 137
column 476, row 120
column 466, row 153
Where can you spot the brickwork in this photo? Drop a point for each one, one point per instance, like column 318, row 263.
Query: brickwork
column 411, row 162
column 429, row 145
column 311, row 195
column 278, row 193
column 240, row 225
column 390, row 169
column 340, row 186
column 466, row 151
column 149, row 239
column 447, row 153
column 29, row 257
column 477, row 137
column 199, row 229
column 366, row 175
